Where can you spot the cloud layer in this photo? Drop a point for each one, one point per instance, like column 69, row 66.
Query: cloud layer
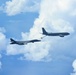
column 53, row 16
column 19, row 6
column 2, row 39
column 74, row 66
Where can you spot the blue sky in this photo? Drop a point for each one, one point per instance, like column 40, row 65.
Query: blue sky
column 23, row 20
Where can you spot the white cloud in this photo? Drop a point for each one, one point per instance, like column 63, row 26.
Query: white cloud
column 2, row 42
column 73, row 8
column 2, row 39
column 50, row 17
column 34, row 52
column 73, row 13
column 17, row 6
column 62, row 26
column 74, row 66
column 14, row 7
column 2, row 29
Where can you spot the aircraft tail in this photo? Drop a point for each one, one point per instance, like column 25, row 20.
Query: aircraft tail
column 44, row 31
column 12, row 41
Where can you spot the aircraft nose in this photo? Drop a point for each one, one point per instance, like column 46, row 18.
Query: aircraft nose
column 68, row 33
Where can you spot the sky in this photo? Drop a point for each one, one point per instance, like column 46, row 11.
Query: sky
column 23, row 20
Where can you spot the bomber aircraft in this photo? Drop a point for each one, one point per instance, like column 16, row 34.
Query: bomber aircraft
column 23, row 42
column 61, row 34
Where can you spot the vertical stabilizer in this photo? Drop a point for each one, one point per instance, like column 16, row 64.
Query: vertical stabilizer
column 12, row 41
column 44, row 31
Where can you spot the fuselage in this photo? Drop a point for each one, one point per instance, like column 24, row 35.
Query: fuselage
column 25, row 42
column 57, row 34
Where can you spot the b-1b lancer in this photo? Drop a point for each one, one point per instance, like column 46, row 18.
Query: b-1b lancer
column 23, row 42
column 61, row 34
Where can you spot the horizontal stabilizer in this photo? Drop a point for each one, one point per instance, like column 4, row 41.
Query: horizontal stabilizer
column 12, row 41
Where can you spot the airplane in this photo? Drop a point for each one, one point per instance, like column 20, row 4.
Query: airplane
column 23, row 42
column 61, row 34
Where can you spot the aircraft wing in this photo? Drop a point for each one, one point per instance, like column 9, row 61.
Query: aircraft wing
column 26, row 42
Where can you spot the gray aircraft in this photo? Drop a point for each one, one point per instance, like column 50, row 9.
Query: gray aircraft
column 61, row 34
column 23, row 42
